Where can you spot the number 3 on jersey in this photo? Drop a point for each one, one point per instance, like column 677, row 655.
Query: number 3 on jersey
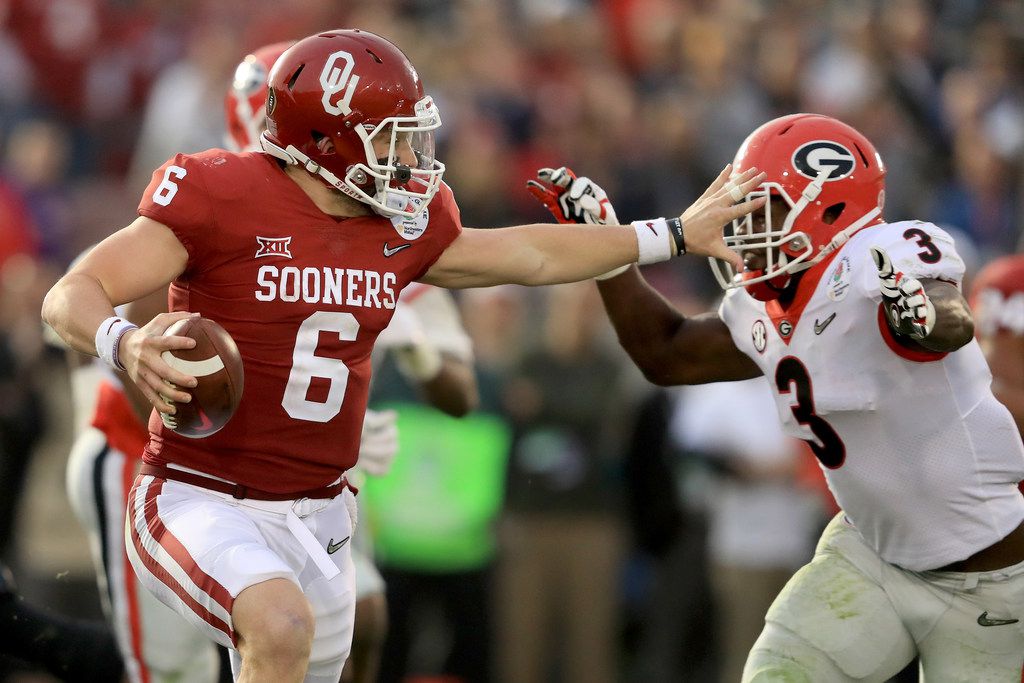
column 165, row 191
column 829, row 448
column 306, row 365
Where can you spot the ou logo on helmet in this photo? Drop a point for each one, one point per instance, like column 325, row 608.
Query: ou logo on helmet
column 811, row 158
column 335, row 79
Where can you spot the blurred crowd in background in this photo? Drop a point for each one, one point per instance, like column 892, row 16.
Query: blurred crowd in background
column 616, row 531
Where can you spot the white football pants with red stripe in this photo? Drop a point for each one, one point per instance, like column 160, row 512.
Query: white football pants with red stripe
column 197, row 549
column 157, row 645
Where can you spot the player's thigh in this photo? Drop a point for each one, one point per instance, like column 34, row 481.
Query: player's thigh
column 197, row 552
column 166, row 646
column 830, row 618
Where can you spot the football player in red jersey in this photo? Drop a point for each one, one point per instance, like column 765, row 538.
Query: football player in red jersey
column 300, row 253
column 431, row 350
column 156, row 644
column 860, row 327
column 997, row 298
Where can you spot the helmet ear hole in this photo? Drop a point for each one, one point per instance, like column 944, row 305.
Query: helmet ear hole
column 295, row 76
column 832, row 213
column 323, row 142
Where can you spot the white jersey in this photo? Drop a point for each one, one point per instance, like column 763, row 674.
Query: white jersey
column 922, row 458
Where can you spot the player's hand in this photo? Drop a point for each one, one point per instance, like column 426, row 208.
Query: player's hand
column 416, row 357
column 574, row 200
column 378, row 444
column 571, row 199
column 908, row 309
column 139, row 352
column 720, row 204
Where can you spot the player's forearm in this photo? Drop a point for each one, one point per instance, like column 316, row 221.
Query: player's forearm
column 74, row 308
column 668, row 347
column 954, row 326
column 553, row 254
column 645, row 322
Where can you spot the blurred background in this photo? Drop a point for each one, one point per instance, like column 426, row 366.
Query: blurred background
column 619, row 532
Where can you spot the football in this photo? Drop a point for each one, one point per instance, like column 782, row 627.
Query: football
column 217, row 365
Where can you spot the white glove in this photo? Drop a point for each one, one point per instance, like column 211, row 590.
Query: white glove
column 908, row 308
column 574, row 200
column 416, row 356
column 378, row 444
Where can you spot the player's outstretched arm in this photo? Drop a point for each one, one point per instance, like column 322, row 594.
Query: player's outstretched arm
column 669, row 348
column 930, row 313
column 131, row 263
column 552, row 254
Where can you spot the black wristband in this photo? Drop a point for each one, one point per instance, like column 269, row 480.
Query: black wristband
column 675, row 228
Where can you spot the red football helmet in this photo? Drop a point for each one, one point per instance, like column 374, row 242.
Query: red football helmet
column 833, row 181
column 345, row 104
column 245, row 105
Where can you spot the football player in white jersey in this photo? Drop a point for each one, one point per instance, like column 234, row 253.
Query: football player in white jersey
column 861, row 329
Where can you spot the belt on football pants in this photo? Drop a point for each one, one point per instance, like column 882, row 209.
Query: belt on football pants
column 239, row 491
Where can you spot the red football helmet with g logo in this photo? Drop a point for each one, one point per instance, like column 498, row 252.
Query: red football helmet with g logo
column 833, row 181
column 245, row 105
column 344, row 105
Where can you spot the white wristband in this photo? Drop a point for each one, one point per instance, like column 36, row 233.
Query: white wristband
column 654, row 241
column 108, row 336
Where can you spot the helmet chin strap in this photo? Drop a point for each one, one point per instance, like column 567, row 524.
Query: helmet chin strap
column 377, row 202
column 292, row 155
column 809, row 194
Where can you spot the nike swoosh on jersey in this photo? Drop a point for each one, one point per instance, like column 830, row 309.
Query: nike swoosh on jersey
column 388, row 251
column 820, row 327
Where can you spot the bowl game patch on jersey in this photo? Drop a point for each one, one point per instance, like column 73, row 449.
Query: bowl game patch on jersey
column 839, row 280
column 408, row 228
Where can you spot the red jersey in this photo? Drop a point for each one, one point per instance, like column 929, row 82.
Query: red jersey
column 303, row 294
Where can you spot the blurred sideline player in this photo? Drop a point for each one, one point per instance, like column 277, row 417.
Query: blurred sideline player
column 862, row 330
column 111, row 415
column 997, row 298
column 301, row 252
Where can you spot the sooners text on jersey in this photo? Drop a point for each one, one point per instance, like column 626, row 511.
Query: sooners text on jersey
column 304, row 295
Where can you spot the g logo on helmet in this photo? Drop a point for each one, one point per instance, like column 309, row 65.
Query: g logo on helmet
column 812, row 158
column 336, row 79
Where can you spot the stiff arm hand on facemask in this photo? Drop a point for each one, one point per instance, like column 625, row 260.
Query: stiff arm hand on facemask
column 572, row 199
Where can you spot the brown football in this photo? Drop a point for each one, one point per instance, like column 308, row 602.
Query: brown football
column 217, row 365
